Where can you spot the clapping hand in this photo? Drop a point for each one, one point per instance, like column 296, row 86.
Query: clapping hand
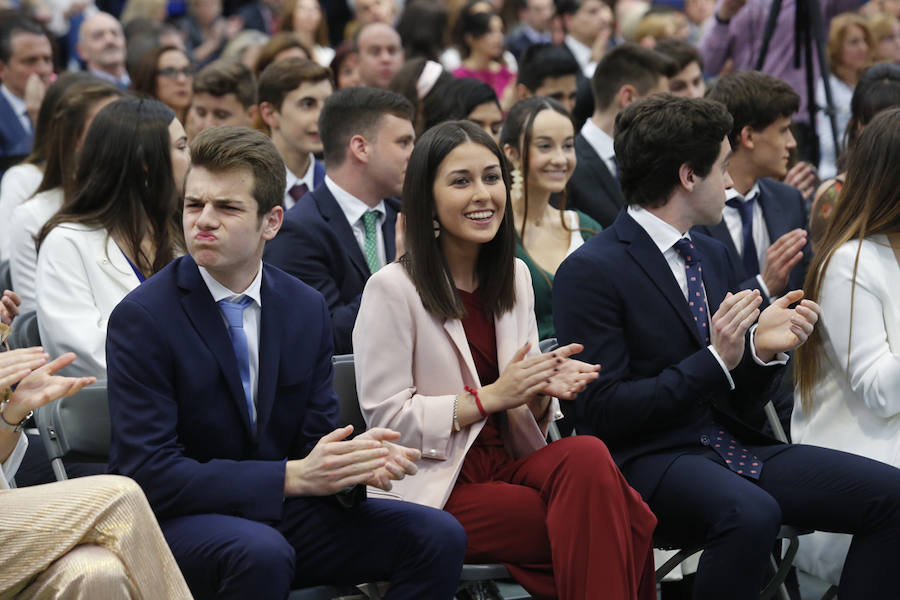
column 38, row 382
column 572, row 376
column 782, row 328
column 399, row 462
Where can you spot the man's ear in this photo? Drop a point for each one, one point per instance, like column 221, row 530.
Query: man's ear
column 268, row 113
column 686, row 177
column 746, row 138
column 522, row 92
column 252, row 112
column 272, row 221
column 626, row 95
column 359, row 148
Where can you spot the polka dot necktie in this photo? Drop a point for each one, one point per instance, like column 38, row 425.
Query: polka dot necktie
column 737, row 457
column 696, row 296
column 370, row 220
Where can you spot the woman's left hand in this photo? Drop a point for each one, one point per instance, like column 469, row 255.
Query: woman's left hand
column 43, row 386
column 9, row 307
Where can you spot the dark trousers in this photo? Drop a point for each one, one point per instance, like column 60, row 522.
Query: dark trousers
column 699, row 501
column 418, row 549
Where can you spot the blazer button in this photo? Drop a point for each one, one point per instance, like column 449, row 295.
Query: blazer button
column 704, row 439
column 432, row 452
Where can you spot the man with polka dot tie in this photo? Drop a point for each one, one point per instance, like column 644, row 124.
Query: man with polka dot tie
column 685, row 361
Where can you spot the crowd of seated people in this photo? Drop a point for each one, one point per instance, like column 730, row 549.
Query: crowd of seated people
column 205, row 202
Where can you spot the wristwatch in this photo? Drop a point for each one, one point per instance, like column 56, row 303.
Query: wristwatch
column 13, row 427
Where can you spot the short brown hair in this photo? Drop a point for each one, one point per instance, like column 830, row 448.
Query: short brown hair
column 628, row 64
column 278, row 43
column 227, row 76
column 283, row 77
column 755, row 99
column 221, row 149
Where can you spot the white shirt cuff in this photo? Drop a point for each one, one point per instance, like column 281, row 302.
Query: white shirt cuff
column 764, row 289
column 11, row 465
column 722, row 364
column 780, row 359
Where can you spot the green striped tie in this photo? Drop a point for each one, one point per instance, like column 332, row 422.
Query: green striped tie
column 370, row 221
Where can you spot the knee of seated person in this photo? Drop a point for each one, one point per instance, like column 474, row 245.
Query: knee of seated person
column 100, row 574
column 266, row 554
column 585, row 453
column 756, row 519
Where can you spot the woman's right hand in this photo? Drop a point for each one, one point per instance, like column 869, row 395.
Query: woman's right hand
column 522, row 380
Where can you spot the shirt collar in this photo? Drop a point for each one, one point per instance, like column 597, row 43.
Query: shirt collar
column 17, row 104
column 581, row 52
column 662, row 234
column 751, row 194
column 220, row 292
column 352, row 207
column 536, row 36
column 599, row 140
column 123, row 82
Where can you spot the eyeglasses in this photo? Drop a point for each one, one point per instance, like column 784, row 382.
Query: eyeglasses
column 173, row 73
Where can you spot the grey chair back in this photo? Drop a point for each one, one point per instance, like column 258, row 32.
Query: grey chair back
column 76, row 428
column 25, row 333
column 345, row 388
column 5, row 276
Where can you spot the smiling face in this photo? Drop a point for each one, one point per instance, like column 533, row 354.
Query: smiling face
column 551, row 159
column 469, row 196
column 222, row 228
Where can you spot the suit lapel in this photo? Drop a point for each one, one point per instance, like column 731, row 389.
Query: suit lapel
column 207, row 320
column 388, row 229
column 332, row 213
column 648, row 257
column 269, row 352
column 599, row 169
column 457, row 335
column 772, row 214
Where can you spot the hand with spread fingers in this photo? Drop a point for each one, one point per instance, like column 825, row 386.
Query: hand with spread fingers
column 782, row 328
column 38, row 382
column 572, row 375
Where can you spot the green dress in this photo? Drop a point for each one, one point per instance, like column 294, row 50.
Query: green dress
column 542, row 280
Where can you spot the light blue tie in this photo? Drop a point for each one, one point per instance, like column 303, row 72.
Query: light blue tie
column 234, row 314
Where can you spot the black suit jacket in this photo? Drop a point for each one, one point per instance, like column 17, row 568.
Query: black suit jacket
column 593, row 189
column 316, row 244
column 783, row 210
column 660, row 390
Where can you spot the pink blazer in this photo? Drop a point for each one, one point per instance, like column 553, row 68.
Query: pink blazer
column 409, row 367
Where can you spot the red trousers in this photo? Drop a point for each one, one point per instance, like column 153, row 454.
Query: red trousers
column 563, row 520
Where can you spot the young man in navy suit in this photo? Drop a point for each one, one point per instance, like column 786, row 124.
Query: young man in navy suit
column 625, row 74
column 222, row 409
column 291, row 95
column 685, row 361
column 764, row 222
column 344, row 230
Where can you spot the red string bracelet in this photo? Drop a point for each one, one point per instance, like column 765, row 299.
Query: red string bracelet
column 474, row 393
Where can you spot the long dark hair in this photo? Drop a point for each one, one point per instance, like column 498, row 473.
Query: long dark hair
column 869, row 205
column 878, row 89
column 124, row 181
column 424, row 259
column 143, row 77
column 66, row 128
column 517, row 132
column 44, row 126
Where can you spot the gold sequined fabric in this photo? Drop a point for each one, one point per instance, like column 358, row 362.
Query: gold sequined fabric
column 102, row 518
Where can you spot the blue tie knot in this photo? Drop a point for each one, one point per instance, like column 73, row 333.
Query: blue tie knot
column 234, row 310
column 744, row 206
column 686, row 250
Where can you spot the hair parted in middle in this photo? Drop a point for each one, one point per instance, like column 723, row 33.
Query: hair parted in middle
column 657, row 135
column 424, row 259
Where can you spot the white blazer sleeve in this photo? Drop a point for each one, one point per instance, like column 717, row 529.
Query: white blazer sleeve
column 383, row 343
column 12, row 462
column 68, row 315
column 874, row 370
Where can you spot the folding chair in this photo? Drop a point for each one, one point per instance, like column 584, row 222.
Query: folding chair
column 475, row 579
column 5, row 276
column 25, row 333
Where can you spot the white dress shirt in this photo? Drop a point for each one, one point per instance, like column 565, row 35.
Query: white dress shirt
column 11, row 464
column 582, row 54
column 18, row 106
column 354, row 209
column 252, row 316
column 292, row 180
column 665, row 236
column 602, row 145
column 735, row 226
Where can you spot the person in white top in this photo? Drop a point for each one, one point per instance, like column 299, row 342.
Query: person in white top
column 117, row 229
column 848, row 373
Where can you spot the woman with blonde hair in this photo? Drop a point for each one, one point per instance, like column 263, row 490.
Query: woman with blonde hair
column 850, row 50
column 848, row 371
column 885, row 29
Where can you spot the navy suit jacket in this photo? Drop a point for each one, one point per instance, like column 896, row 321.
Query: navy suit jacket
column 179, row 418
column 316, row 244
column 660, row 389
column 593, row 189
column 15, row 141
column 783, row 210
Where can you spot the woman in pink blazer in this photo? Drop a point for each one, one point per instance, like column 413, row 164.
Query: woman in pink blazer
column 446, row 353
